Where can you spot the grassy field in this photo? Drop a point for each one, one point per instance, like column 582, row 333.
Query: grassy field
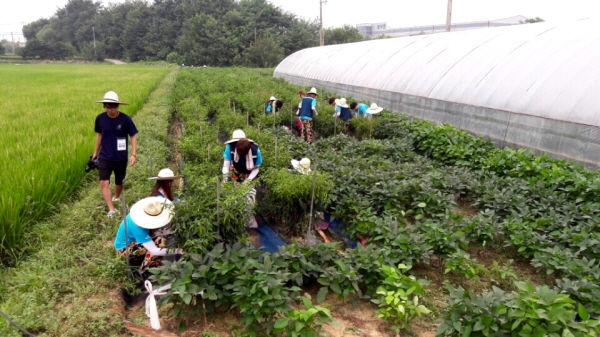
column 47, row 132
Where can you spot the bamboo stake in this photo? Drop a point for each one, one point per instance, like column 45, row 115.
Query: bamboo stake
column 218, row 197
column 312, row 198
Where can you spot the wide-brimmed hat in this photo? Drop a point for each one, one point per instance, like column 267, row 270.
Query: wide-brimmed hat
column 343, row 103
column 313, row 91
column 165, row 174
column 302, row 165
column 374, row 109
column 111, row 97
column 238, row 134
column 152, row 212
column 272, row 98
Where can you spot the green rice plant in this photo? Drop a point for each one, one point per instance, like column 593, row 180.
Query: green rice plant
column 47, row 133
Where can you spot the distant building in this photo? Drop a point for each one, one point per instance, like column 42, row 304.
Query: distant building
column 370, row 30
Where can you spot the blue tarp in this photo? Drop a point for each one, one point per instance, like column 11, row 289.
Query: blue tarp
column 338, row 228
column 268, row 239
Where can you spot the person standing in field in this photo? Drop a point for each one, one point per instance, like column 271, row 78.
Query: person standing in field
column 307, row 111
column 114, row 130
column 298, row 123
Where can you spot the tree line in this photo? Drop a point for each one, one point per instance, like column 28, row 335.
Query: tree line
column 250, row 33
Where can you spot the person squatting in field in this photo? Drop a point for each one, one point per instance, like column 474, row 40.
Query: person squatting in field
column 241, row 158
column 307, row 110
column 163, row 186
column 273, row 104
column 343, row 112
column 139, row 236
column 114, row 130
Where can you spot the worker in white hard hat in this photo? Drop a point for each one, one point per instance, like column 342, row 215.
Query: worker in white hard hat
column 241, row 158
column 114, row 131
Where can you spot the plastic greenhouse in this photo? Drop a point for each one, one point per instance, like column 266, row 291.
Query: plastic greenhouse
column 534, row 85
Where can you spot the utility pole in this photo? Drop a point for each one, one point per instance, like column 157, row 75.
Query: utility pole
column 321, row 34
column 94, row 35
column 449, row 16
column 12, row 38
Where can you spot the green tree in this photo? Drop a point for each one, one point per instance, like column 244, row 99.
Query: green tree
column 207, row 42
column 31, row 29
column 90, row 53
column 302, row 34
column 2, row 49
column 264, row 53
column 74, row 22
column 345, row 34
column 35, row 48
column 135, row 31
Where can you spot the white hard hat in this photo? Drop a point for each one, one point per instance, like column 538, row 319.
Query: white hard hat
column 238, row 134
column 111, row 97
column 272, row 98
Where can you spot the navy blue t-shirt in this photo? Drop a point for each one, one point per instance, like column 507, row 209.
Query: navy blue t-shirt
column 115, row 135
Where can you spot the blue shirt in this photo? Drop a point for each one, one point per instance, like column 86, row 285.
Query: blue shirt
column 362, row 110
column 313, row 106
column 134, row 233
column 227, row 155
column 269, row 108
column 114, row 130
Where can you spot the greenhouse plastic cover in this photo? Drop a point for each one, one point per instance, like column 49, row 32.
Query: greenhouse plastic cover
column 532, row 85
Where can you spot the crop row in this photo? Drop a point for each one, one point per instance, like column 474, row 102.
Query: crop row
column 399, row 187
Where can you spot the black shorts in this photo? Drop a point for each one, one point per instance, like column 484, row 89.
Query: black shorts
column 107, row 167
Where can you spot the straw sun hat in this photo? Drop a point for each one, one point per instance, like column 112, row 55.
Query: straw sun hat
column 152, row 212
column 342, row 103
column 111, row 97
column 165, row 174
column 313, row 91
column 374, row 109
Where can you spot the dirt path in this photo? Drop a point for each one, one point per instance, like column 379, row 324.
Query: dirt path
column 114, row 61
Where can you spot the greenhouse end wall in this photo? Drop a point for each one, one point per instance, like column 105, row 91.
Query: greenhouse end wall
column 559, row 139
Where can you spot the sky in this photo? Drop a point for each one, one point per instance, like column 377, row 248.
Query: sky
column 336, row 13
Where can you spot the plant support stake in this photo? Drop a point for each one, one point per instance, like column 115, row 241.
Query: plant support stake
column 218, row 197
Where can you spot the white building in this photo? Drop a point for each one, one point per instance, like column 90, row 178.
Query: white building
column 370, row 30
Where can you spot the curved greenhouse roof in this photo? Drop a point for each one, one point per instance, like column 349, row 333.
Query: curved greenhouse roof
column 533, row 85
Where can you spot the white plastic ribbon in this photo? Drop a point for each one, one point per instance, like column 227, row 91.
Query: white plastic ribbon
column 151, row 310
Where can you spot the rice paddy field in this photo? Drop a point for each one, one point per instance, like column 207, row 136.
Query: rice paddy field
column 47, row 124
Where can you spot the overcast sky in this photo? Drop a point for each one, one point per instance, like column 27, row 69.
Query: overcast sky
column 336, row 13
